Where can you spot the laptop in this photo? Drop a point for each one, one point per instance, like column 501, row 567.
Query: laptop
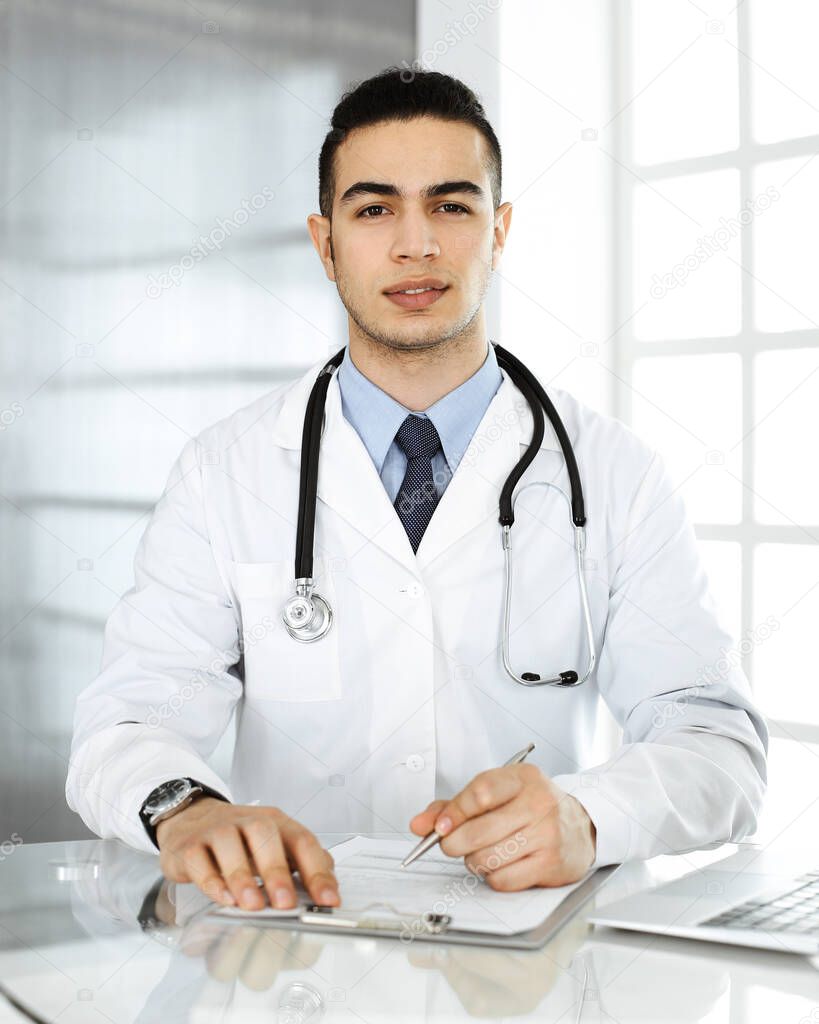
column 754, row 897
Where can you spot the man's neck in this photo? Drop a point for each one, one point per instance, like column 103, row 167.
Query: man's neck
column 421, row 378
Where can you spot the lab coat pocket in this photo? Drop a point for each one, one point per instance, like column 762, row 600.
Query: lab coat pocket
column 277, row 667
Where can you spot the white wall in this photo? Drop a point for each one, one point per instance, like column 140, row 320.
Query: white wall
column 542, row 71
column 130, row 131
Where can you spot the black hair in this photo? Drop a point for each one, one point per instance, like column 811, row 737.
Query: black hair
column 401, row 94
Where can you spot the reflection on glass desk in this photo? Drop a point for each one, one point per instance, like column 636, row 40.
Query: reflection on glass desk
column 90, row 931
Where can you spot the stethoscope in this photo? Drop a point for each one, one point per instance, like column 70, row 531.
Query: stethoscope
column 308, row 616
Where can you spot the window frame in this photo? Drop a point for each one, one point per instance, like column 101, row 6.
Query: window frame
column 748, row 343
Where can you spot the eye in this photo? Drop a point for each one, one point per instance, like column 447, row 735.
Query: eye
column 377, row 206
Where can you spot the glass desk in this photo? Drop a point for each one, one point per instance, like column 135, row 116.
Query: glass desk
column 73, row 949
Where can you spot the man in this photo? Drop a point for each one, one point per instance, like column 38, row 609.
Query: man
column 401, row 714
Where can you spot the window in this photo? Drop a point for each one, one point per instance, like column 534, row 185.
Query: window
column 715, row 279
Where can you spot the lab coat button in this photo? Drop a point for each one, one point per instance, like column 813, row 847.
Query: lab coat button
column 413, row 590
column 415, row 763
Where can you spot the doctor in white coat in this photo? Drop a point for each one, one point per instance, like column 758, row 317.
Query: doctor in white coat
column 401, row 714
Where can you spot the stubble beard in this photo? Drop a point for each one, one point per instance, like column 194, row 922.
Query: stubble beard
column 417, row 337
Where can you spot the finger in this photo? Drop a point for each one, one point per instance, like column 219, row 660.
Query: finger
column 266, row 845
column 315, row 866
column 486, row 791
column 224, row 959
column 422, row 823
column 491, row 832
column 264, row 961
column 492, row 857
column 542, row 868
column 200, row 935
column 491, row 987
column 269, row 957
column 230, row 854
column 204, row 873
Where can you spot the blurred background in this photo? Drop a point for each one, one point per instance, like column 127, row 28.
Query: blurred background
column 662, row 266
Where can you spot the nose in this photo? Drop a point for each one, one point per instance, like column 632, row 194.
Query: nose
column 415, row 237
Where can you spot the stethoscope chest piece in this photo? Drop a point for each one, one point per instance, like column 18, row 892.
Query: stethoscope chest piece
column 307, row 616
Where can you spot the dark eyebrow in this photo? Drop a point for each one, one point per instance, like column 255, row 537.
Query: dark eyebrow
column 378, row 188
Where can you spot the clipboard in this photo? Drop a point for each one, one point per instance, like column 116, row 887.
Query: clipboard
column 430, row 927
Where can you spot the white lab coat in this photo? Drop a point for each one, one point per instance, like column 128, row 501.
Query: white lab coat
column 405, row 700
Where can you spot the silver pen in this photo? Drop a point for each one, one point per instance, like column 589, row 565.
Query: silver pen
column 433, row 838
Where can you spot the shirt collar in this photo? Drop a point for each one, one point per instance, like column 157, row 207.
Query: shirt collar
column 376, row 416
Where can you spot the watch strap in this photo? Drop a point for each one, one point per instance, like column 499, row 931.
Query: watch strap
column 147, row 912
column 206, row 791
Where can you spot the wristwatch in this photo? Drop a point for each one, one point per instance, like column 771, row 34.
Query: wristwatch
column 169, row 798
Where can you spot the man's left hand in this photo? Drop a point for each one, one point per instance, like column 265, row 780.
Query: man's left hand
column 514, row 827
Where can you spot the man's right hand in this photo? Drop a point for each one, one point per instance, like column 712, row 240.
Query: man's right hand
column 220, row 847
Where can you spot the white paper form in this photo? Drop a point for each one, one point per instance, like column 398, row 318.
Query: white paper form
column 371, row 879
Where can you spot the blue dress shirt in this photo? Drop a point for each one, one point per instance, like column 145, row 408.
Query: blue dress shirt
column 376, row 417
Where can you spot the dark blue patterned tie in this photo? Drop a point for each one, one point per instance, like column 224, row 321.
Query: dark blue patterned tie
column 416, row 500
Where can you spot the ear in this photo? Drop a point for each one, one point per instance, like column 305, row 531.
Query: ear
column 503, row 221
column 320, row 231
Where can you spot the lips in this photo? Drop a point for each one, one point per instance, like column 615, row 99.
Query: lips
column 409, row 284
column 421, row 300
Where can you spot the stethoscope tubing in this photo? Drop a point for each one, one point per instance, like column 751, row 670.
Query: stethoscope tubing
column 308, row 469
column 538, row 402
column 521, row 373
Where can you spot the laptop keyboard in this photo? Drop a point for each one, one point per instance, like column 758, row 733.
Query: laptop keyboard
column 796, row 910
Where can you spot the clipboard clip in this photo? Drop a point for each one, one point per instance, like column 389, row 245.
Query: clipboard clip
column 428, row 923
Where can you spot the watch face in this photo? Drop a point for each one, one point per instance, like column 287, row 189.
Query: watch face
column 167, row 794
